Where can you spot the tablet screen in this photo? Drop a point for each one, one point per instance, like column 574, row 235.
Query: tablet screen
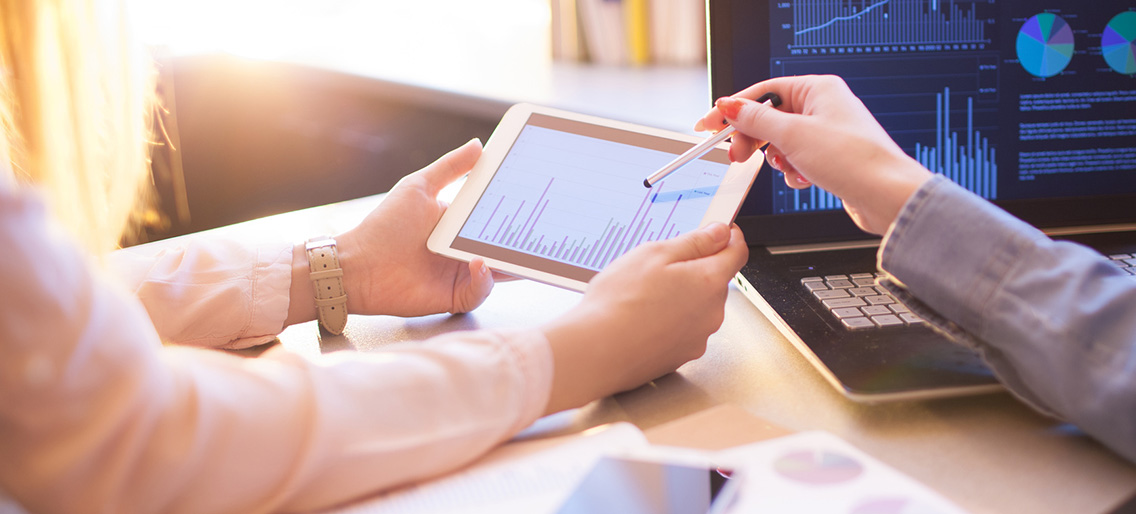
column 568, row 198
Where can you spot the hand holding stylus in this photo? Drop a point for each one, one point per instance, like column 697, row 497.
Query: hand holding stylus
column 705, row 146
column 823, row 135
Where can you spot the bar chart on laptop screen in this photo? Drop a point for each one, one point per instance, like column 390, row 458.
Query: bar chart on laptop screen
column 580, row 201
column 938, row 128
column 926, row 69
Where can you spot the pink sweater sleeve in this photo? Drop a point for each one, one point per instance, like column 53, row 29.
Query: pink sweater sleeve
column 96, row 415
column 210, row 291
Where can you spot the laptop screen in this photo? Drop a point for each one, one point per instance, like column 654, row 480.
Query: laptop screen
column 1031, row 106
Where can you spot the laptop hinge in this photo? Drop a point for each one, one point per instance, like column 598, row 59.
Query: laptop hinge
column 820, row 247
column 872, row 243
column 1090, row 229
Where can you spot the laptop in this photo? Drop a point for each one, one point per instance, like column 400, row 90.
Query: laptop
column 1032, row 107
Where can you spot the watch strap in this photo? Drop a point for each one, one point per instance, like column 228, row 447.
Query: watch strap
column 327, row 280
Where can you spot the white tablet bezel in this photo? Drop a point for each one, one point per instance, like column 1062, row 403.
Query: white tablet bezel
column 723, row 207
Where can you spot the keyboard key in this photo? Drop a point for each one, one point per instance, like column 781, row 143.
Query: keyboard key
column 1120, row 256
column 887, row 320
column 879, row 300
column 835, row 277
column 862, row 291
column 911, row 319
column 855, row 276
column 840, row 284
column 857, row 323
column 811, row 279
column 876, row 310
column 847, row 312
column 1120, row 264
column 883, row 291
column 836, row 303
column 864, row 282
column 831, row 293
column 815, row 286
column 1130, row 262
column 899, row 308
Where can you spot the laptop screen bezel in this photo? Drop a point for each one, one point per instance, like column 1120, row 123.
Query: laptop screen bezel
column 835, row 225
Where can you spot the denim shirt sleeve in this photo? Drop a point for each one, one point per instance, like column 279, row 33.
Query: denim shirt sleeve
column 1056, row 321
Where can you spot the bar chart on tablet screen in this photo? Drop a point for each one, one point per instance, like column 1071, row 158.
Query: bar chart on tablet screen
column 580, row 200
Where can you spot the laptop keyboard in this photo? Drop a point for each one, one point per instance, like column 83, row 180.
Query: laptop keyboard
column 858, row 302
column 1125, row 261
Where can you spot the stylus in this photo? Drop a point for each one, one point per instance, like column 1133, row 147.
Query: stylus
column 705, row 146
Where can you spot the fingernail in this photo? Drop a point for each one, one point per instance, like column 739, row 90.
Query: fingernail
column 484, row 269
column 729, row 106
column 801, row 180
column 730, row 154
column 476, row 139
column 718, row 231
column 699, row 127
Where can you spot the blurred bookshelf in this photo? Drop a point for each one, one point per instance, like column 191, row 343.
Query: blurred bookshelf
column 629, row 32
column 504, row 51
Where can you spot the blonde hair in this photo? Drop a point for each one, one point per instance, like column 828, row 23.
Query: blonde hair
column 76, row 93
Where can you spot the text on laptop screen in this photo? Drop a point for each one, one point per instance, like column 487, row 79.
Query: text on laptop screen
column 1016, row 101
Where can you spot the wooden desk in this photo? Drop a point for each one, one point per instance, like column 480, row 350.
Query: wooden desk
column 990, row 454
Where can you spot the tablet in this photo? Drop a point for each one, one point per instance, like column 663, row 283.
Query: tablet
column 557, row 196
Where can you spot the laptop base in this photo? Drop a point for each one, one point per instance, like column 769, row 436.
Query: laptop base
column 875, row 365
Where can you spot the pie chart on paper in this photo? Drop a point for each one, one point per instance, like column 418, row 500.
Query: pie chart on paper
column 817, row 467
column 1045, row 45
column 894, row 505
column 1118, row 43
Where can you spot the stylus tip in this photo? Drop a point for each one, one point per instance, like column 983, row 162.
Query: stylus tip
column 646, row 183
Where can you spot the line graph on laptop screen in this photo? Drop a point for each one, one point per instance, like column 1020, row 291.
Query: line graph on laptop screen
column 1010, row 100
column 578, row 201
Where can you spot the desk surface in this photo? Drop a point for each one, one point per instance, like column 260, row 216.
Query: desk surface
column 988, row 453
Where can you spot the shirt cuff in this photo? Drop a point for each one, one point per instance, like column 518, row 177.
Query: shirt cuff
column 269, row 294
column 951, row 285
column 533, row 354
column 922, row 250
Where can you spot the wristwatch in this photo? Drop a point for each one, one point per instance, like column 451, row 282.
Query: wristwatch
column 327, row 280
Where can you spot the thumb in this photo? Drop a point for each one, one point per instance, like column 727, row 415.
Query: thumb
column 764, row 123
column 472, row 289
column 703, row 242
column 451, row 166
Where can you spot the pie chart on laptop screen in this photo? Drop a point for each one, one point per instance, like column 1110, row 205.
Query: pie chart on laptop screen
column 1118, row 43
column 1045, row 45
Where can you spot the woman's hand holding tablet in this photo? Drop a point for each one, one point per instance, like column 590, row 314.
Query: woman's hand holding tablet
column 557, row 196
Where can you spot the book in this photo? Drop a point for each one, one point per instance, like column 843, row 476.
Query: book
column 604, row 31
column 637, row 30
column 630, row 32
column 678, row 31
column 567, row 32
